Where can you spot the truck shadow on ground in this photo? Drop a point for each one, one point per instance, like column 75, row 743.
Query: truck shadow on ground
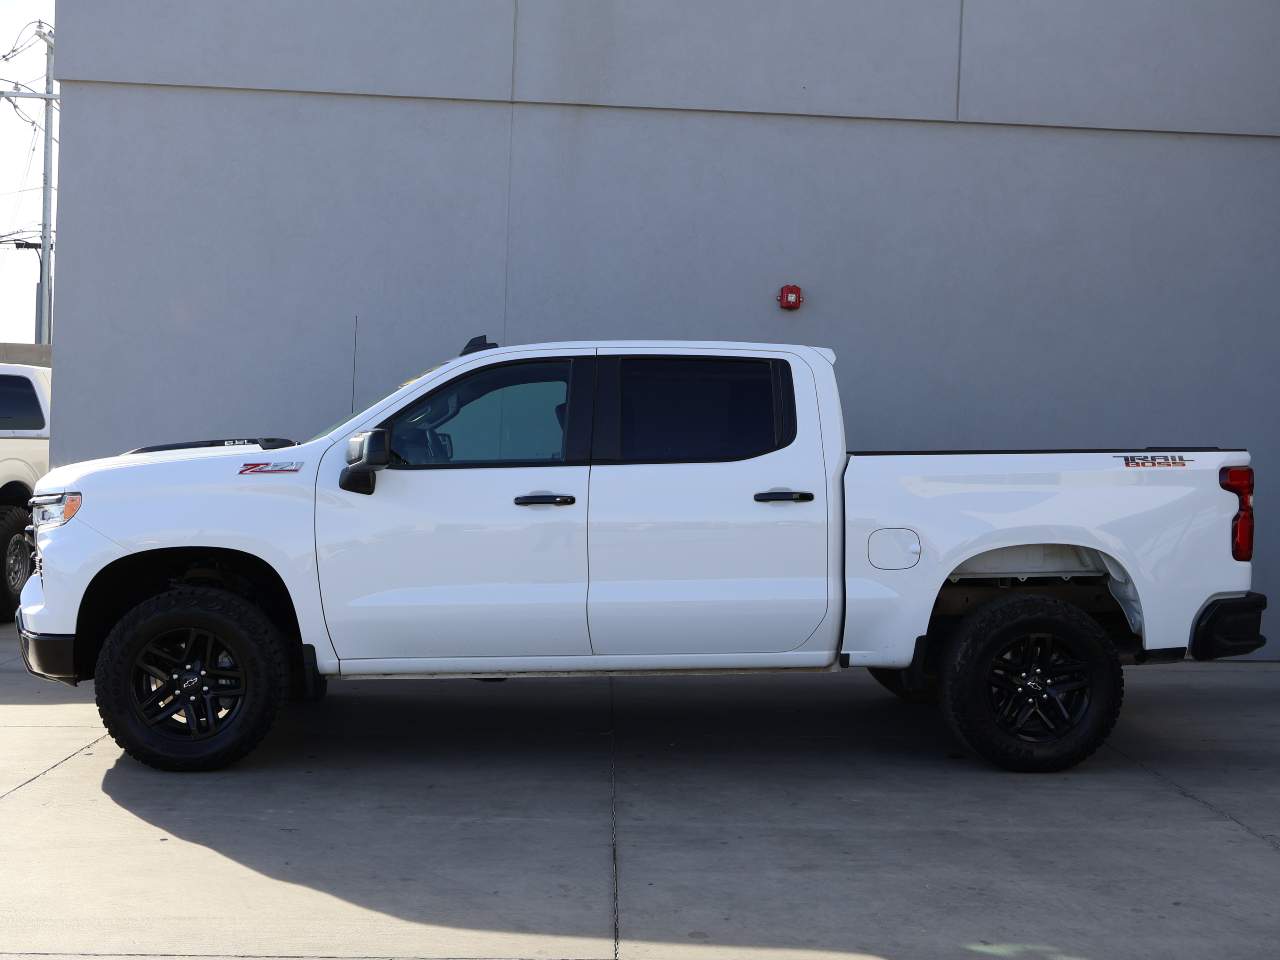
column 806, row 813
column 493, row 806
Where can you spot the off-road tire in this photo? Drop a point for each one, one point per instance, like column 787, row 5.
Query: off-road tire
column 260, row 654
column 895, row 681
column 969, row 698
column 13, row 537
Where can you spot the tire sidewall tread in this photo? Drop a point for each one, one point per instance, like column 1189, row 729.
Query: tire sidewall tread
column 266, row 661
column 964, row 692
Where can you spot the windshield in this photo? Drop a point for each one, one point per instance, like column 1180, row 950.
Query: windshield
column 354, row 413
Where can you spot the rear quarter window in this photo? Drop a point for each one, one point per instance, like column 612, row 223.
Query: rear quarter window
column 19, row 405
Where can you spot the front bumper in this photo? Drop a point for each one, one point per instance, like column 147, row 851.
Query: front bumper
column 48, row 655
column 1229, row 627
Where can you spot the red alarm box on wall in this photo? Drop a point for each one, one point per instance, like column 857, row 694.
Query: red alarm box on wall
column 790, row 297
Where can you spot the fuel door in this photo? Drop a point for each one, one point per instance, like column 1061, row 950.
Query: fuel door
column 893, row 548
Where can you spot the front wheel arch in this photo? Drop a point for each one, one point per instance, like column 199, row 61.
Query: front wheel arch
column 128, row 581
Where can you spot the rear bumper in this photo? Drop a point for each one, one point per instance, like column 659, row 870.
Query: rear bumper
column 48, row 655
column 1229, row 627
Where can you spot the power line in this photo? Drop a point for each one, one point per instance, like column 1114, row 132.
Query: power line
column 18, row 45
column 35, row 124
column 11, row 193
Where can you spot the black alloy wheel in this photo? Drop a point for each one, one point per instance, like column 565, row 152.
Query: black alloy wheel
column 1039, row 688
column 1032, row 683
column 187, row 684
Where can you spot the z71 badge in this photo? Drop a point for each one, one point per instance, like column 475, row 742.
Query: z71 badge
column 1154, row 460
column 280, row 466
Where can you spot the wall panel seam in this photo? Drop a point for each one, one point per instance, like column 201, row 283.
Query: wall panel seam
column 860, row 118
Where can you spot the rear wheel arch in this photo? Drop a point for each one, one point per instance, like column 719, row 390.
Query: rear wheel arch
column 130, row 580
column 1083, row 576
column 1088, row 577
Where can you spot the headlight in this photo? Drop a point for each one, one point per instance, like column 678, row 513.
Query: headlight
column 54, row 509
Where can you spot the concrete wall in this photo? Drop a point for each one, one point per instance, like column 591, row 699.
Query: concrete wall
column 36, row 354
column 1020, row 223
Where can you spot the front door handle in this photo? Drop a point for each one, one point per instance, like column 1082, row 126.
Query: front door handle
column 784, row 496
column 554, row 499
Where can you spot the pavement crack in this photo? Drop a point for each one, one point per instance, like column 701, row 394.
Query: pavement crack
column 80, row 750
column 1271, row 841
column 613, row 817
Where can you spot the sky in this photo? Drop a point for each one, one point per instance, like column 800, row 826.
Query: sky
column 21, row 162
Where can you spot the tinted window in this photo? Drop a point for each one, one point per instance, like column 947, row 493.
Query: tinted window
column 19, row 406
column 694, row 409
column 503, row 415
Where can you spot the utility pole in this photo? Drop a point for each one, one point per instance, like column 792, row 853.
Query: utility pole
column 44, row 324
column 44, row 304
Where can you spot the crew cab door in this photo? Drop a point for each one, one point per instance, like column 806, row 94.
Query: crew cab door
column 474, row 540
column 708, row 519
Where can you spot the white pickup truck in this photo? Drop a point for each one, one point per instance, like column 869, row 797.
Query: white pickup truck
column 613, row 508
column 24, row 458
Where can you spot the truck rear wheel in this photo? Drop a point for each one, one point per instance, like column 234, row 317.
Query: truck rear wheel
column 191, row 679
column 1032, row 683
column 17, row 557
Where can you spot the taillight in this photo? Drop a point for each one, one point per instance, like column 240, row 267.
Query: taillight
column 1239, row 480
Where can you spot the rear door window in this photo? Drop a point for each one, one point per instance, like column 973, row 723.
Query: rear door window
column 693, row 409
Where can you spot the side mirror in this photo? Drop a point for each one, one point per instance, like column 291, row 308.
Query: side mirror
column 367, row 453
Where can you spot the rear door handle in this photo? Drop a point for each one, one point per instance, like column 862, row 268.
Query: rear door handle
column 555, row 499
column 784, row 496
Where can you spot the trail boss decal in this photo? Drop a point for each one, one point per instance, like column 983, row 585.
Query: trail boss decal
column 280, row 466
column 1154, row 460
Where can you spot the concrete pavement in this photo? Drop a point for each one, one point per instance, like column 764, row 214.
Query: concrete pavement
column 797, row 817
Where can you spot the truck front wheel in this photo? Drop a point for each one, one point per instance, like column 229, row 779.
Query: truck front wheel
column 1032, row 683
column 191, row 679
column 17, row 557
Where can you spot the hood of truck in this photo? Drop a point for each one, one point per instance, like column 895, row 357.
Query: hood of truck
column 72, row 475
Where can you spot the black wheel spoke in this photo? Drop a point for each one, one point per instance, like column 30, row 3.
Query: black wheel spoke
column 1050, row 724
column 1004, row 682
column 167, row 711
column 156, row 651
column 157, row 697
column 210, row 713
column 1031, row 653
column 1010, row 708
column 1056, row 697
column 1023, row 715
column 160, row 673
column 1070, row 686
column 1065, row 669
